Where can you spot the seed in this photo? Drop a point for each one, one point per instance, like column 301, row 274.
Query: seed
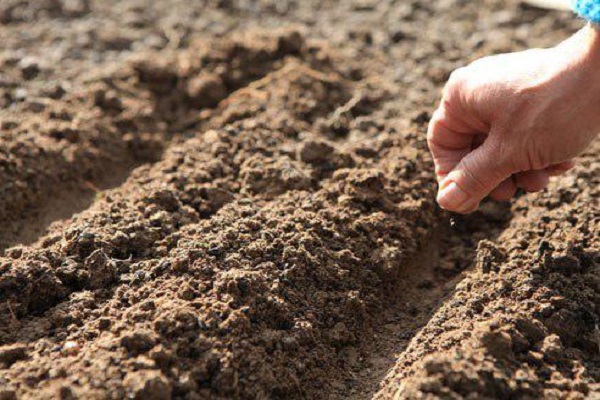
column 70, row 348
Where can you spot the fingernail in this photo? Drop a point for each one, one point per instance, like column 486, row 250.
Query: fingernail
column 452, row 197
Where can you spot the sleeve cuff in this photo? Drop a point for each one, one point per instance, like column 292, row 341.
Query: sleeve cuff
column 588, row 9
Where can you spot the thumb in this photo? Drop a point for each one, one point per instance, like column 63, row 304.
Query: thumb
column 477, row 174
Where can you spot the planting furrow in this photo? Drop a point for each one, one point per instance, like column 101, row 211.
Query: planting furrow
column 524, row 321
column 426, row 282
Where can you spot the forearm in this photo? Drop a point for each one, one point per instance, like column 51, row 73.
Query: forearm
column 584, row 49
column 594, row 36
column 590, row 10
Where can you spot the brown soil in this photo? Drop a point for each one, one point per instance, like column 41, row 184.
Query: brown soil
column 234, row 199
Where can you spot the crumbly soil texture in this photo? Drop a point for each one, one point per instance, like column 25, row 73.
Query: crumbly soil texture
column 231, row 199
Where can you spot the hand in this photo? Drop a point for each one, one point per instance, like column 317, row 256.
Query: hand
column 514, row 120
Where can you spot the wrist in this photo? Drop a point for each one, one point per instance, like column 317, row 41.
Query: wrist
column 591, row 58
column 584, row 47
column 593, row 33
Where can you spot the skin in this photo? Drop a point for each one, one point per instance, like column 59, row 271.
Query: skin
column 513, row 120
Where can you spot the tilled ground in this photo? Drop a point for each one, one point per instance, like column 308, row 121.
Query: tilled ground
column 234, row 199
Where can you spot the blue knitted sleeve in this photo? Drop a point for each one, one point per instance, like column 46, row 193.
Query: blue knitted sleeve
column 588, row 9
